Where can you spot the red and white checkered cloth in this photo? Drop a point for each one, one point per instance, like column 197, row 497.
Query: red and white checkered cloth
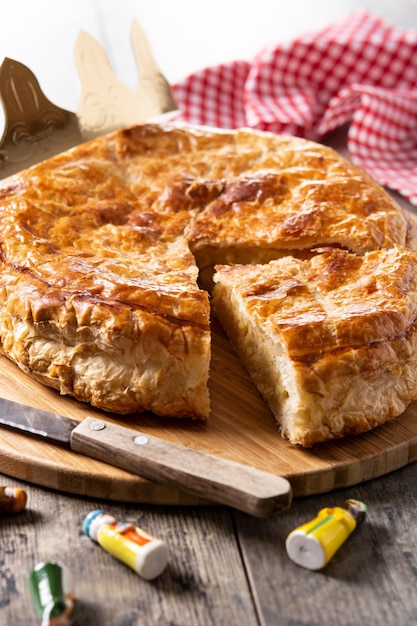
column 361, row 70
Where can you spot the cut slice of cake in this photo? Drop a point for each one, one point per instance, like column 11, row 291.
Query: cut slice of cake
column 330, row 342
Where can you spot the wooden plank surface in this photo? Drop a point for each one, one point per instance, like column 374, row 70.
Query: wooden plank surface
column 225, row 567
column 371, row 580
column 240, row 428
column 204, row 582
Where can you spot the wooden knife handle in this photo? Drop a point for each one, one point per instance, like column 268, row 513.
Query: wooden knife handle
column 226, row 482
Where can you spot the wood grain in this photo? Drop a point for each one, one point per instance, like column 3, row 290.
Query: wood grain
column 241, row 428
column 371, row 579
column 224, row 567
column 226, row 482
column 204, row 582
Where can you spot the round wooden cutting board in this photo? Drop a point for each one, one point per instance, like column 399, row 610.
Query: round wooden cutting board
column 240, row 428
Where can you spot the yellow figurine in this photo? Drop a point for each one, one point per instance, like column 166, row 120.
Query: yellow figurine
column 313, row 544
column 145, row 554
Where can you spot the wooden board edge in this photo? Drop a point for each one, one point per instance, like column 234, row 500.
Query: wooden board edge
column 124, row 488
column 349, row 474
column 127, row 487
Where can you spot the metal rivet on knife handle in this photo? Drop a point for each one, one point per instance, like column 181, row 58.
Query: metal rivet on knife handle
column 94, row 424
column 216, row 479
column 141, row 440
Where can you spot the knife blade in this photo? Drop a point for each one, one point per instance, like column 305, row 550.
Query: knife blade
column 225, row 482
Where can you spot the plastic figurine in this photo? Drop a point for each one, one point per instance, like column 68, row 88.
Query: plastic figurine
column 51, row 594
column 145, row 554
column 313, row 544
column 12, row 499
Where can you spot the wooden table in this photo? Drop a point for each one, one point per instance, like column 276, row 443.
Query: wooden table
column 225, row 567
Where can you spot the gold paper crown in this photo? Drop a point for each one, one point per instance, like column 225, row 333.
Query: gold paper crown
column 36, row 129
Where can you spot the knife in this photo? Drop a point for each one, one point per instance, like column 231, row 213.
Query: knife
column 222, row 481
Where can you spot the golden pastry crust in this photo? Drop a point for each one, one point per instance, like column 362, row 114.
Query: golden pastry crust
column 293, row 197
column 101, row 248
column 330, row 341
column 98, row 297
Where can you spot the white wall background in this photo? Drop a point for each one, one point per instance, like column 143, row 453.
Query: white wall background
column 185, row 35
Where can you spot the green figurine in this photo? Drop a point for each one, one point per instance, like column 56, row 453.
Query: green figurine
column 53, row 601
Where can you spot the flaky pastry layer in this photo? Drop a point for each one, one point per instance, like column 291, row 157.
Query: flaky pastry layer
column 102, row 246
column 330, row 342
